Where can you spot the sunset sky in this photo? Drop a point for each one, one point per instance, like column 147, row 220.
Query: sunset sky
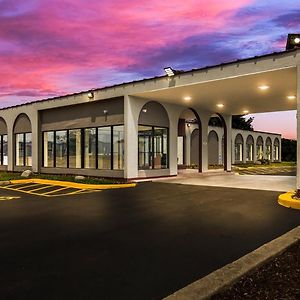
column 54, row 47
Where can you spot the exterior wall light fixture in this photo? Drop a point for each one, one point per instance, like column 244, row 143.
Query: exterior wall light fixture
column 293, row 41
column 90, row 95
column 144, row 110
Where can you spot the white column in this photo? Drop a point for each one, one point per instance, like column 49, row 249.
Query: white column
column 298, row 127
column 204, row 144
column 78, row 149
column 35, row 140
column 228, row 121
column 131, row 114
column 11, row 146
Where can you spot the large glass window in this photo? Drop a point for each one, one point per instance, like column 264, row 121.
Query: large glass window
column 75, row 148
column 90, row 148
column 28, row 149
column 4, row 150
column 19, row 149
column 145, row 147
column 238, row 150
column 249, row 150
column 48, row 149
column 160, row 148
column 259, row 151
column 268, row 152
column 61, row 149
column 118, row 147
column 153, row 147
column 104, row 148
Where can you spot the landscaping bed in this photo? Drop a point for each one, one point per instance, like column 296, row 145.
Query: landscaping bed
column 277, row 279
column 7, row 176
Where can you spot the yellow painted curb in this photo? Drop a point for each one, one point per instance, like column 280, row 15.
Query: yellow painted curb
column 287, row 200
column 75, row 184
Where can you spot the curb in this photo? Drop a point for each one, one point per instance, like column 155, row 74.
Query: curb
column 75, row 185
column 218, row 280
column 288, row 201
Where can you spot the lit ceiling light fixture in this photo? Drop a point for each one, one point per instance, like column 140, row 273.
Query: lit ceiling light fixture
column 220, row 105
column 293, row 41
column 291, row 97
column 169, row 71
column 245, row 112
column 264, row 87
column 187, row 98
column 90, row 95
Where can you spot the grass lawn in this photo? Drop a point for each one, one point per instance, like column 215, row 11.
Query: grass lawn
column 6, row 176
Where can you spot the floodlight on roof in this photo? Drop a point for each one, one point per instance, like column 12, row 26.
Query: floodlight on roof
column 293, row 41
column 169, row 71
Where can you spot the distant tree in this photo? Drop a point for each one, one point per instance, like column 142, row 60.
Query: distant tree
column 288, row 150
column 238, row 122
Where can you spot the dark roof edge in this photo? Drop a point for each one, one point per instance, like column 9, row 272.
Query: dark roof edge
column 155, row 77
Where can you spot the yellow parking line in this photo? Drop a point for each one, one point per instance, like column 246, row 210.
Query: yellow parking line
column 26, row 186
column 41, row 188
column 57, row 190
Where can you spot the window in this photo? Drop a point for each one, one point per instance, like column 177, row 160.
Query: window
column 238, row 152
column 104, row 148
column 4, row 150
column 90, row 148
column 61, row 151
column 23, row 146
column 153, row 147
column 20, row 149
column 259, row 149
column 118, row 147
column 268, row 152
column 48, row 158
column 75, row 148
column 249, row 152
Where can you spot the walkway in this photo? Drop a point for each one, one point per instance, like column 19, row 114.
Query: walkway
column 232, row 180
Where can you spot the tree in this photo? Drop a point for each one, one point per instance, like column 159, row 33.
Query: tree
column 238, row 122
column 288, row 150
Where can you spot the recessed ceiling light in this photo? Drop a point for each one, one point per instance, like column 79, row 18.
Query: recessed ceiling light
column 245, row 112
column 263, row 87
column 187, row 98
column 220, row 105
column 291, row 97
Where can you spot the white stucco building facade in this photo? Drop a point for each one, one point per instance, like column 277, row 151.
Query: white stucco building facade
column 133, row 130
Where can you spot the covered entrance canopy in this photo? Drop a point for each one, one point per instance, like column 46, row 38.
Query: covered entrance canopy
column 267, row 83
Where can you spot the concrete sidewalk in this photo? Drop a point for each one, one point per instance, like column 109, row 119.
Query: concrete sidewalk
column 232, row 180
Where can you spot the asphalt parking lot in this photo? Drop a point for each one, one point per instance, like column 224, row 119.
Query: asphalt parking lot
column 137, row 243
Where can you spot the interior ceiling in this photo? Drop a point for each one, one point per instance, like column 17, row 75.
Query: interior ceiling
column 237, row 94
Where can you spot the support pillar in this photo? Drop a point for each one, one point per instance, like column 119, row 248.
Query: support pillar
column 131, row 138
column 298, row 132
column 227, row 142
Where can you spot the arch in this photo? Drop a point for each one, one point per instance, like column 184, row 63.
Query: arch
column 187, row 119
column 238, row 148
column 3, row 126
column 268, row 148
column 225, row 146
column 153, row 137
column 259, row 148
column 22, row 124
column 213, row 148
column 153, row 113
column 276, row 149
column 249, row 148
column 22, row 141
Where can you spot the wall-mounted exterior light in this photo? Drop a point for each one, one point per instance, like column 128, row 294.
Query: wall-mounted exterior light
column 144, row 110
column 90, row 95
column 105, row 111
column 169, row 71
column 293, row 41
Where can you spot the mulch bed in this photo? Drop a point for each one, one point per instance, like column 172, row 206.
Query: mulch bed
column 277, row 279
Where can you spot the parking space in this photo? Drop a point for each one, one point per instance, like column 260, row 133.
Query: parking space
column 46, row 190
column 141, row 243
